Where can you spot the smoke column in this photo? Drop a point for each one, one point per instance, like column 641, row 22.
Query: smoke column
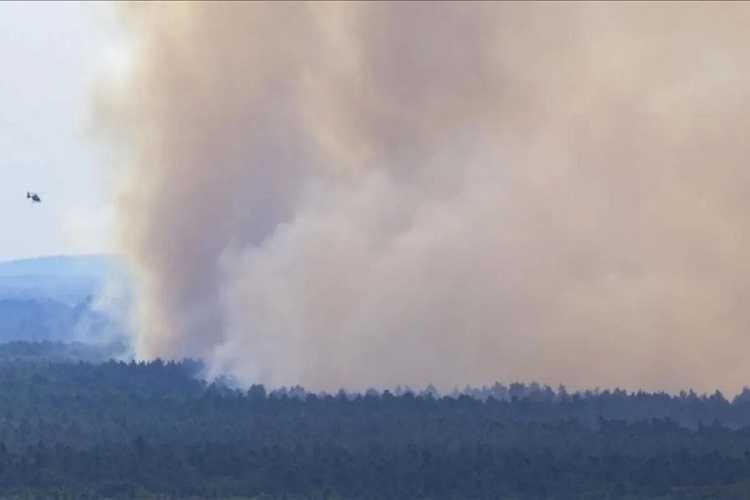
column 372, row 194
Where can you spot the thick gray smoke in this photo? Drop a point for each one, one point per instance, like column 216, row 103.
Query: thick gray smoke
column 357, row 195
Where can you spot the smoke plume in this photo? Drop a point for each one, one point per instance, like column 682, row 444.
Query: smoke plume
column 372, row 194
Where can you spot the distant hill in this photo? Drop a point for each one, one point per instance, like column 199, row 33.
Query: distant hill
column 61, row 298
column 74, row 265
column 67, row 279
column 62, row 352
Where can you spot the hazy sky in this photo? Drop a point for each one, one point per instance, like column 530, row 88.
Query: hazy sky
column 51, row 55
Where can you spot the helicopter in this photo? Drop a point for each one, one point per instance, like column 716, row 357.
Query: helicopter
column 33, row 197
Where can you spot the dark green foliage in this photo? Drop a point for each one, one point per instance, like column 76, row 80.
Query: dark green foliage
column 155, row 430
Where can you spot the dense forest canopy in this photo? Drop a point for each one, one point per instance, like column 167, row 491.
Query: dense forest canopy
column 134, row 429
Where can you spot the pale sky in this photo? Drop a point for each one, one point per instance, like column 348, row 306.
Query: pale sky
column 51, row 56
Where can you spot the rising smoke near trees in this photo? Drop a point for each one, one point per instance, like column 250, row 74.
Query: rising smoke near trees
column 372, row 194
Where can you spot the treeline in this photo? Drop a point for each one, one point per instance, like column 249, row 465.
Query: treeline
column 140, row 430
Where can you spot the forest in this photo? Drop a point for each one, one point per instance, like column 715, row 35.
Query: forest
column 84, row 429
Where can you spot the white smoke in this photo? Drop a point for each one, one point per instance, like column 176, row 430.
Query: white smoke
column 372, row 194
